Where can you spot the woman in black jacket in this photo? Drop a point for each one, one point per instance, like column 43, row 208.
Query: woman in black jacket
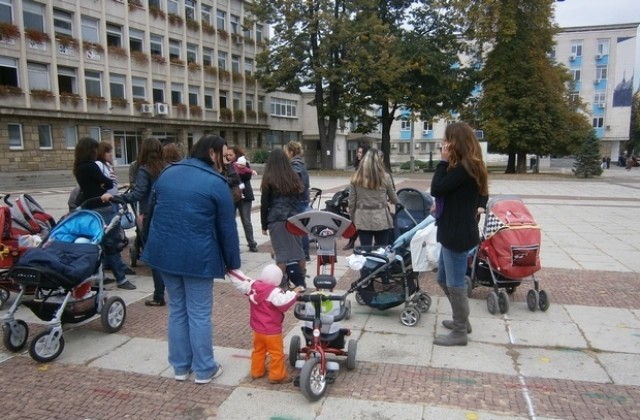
column 460, row 187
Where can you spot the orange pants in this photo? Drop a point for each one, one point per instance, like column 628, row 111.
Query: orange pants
column 272, row 344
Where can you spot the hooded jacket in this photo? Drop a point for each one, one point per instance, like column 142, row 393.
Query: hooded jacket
column 268, row 305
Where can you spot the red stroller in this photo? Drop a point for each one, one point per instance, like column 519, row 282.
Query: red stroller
column 509, row 252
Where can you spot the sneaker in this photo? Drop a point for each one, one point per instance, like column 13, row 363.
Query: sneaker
column 130, row 271
column 127, row 285
column 286, row 380
column 215, row 375
column 153, row 302
column 183, row 377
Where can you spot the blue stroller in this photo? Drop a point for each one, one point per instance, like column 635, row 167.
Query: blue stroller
column 68, row 280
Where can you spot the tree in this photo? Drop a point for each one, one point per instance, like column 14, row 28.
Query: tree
column 524, row 106
column 633, row 145
column 588, row 161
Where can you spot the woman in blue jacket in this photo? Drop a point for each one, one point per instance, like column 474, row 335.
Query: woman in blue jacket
column 192, row 239
column 460, row 187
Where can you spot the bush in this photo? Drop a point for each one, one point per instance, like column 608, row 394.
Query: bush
column 417, row 164
column 260, row 156
column 588, row 160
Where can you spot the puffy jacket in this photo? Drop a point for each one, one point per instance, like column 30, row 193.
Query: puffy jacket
column 268, row 305
column 193, row 227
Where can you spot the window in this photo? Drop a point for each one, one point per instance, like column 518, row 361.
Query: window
column 67, row 80
column 221, row 18
column 223, row 99
column 235, row 64
column 6, row 11
column 603, row 47
column 117, row 86
column 222, row 60
column 208, row 98
column 601, row 72
column 93, row 83
column 155, row 44
column 427, row 126
column 95, row 133
column 598, row 122
column 71, row 136
column 139, row 88
column 237, row 99
column 192, row 53
column 45, row 140
column 599, row 98
column 405, row 125
column 136, row 40
column 249, row 103
column 172, row 6
column 90, row 29
column 248, row 66
column 574, row 97
column 576, row 48
column 205, row 13
column 9, row 71
column 33, row 15
column 15, row 136
column 235, row 24
column 155, row 3
column 248, row 33
column 259, row 33
column 38, row 76
column 193, row 95
column 158, row 91
column 175, row 49
column 190, row 9
column 207, row 56
column 283, row 107
column 576, row 75
column 260, row 103
column 176, row 93
column 114, row 36
column 63, row 23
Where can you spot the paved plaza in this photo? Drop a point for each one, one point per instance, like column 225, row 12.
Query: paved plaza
column 578, row 360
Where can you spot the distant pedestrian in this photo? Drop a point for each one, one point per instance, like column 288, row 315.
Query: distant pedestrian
column 235, row 155
column 192, row 239
column 268, row 303
column 360, row 152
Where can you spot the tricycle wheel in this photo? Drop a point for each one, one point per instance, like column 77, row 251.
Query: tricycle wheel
column 15, row 338
column 313, row 383
column 352, row 349
column 294, row 349
column 43, row 353
column 113, row 314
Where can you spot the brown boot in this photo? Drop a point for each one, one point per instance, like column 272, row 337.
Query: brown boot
column 460, row 308
column 448, row 323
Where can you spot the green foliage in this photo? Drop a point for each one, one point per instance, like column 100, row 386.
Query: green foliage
column 588, row 159
column 633, row 145
column 260, row 156
column 417, row 164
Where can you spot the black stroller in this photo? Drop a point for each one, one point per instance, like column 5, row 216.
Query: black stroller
column 387, row 278
column 413, row 207
column 68, row 280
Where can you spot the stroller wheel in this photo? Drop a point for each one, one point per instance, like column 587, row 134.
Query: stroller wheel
column 533, row 299
column 360, row 299
column 492, row 302
column 352, row 349
column 294, row 349
column 113, row 314
column 424, row 302
column 313, row 383
column 4, row 296
column 410, row 316
column 15, row 335
column 503, row 302
column 544, row 300
column 43, row 353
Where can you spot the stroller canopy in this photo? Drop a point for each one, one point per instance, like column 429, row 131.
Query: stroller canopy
column 86, row 224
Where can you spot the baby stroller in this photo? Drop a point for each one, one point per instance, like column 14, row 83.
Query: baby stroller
column 509, row 252
column 63, row 270
column 322, row 335
column 387, row 278
column 413, row 207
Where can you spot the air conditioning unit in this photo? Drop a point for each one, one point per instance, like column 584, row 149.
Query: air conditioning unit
column 596, row 81
column 162, row 109
column 598, row 57
column 572, row 58
column 146, row 109
column 601, row 105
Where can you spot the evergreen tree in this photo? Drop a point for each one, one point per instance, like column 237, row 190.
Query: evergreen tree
column 588, row 161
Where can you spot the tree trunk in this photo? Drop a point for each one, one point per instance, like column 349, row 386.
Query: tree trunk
column 511, row 164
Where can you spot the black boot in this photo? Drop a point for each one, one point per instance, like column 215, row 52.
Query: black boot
column 460, row 308
column 448, row 323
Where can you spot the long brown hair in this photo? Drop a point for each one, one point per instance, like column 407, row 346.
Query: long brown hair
column 464, row 149
column 370, row 173
column 103, row 148
column 86, row 151
column 280, row 176
column 151, row 156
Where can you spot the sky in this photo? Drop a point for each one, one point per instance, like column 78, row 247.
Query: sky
column 596, row 12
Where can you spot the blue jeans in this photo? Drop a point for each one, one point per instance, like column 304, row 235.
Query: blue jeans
column 113, row 261
column 452, row 268
column 189, row 327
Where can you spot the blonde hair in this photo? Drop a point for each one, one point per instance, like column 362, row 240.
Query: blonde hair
column 464, row 149
column 294, row 147
column 370, row 173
